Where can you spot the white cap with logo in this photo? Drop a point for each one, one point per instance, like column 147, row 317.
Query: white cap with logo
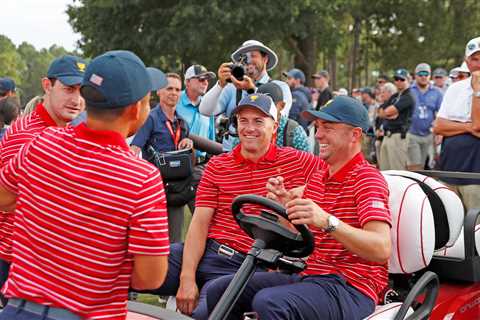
column 472, row 47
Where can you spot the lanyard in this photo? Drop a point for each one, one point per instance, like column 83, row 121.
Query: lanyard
column 176, row 135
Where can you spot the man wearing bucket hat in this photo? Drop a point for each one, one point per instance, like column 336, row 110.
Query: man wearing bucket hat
column 347, row 271
column 91, row 216
column 223, row 97
column 458, row 121
column 215, row 245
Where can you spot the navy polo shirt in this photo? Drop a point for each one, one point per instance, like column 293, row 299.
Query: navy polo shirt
column 460, row 153
column 427, row 105
column 154, row 132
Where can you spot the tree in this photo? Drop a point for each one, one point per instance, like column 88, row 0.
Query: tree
column 11, row 63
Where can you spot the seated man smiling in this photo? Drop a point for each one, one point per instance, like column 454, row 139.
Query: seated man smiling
column 345, row 205
column 215, row 245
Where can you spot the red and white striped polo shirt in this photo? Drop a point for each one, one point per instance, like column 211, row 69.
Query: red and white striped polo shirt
column 230, row 175
column 19, row 133
column 86, row 204
column 356, row 194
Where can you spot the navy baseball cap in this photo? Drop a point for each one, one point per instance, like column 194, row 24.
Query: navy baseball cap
column 401, row 73
column 7, row 84
column 121, row 78
column 342, row 109
column 259, row 101
column 68, row 69
column 296, row 74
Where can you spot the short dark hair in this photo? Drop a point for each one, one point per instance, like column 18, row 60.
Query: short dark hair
column 9, row 110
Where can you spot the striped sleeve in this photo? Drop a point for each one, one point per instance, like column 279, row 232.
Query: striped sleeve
column 207, row 192
column 371, row 197
column 10, row 171
column 148, row 225
column 311, row 164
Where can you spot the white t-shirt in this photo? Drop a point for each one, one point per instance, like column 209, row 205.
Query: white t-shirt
column 457, row 102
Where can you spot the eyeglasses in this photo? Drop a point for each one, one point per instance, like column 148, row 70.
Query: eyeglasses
column 398, row 79
column 202, row 79
column 423, row 74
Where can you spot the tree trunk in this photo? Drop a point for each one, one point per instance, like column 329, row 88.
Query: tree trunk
column 357, row 28
column 333, row 69
column 306, row 59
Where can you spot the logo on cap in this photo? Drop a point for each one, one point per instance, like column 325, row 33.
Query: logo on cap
column 253, row 98
column 326, row 103
column 471, row 46
column 81, row 66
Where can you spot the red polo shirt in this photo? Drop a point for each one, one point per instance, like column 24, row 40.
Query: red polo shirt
column 230, row 175
column 86, row 204
column 19, row 133
column 356, row 194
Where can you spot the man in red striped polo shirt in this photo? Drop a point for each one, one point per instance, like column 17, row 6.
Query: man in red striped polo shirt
column 90, row 218
column 61, row 104
column 345, row 205
column 215, row 245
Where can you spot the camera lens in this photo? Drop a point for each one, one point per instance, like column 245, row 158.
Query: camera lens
column 238, row 71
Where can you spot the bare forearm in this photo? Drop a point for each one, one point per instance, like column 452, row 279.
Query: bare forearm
column 7, row 200
column 194, row 248
column 476, row 113
column 367, row 244
column 449, row 128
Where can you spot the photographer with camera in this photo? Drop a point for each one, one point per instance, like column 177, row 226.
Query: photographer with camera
column 235, row 80
column 164, row 131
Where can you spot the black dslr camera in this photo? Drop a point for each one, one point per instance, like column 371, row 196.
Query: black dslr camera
column 238, row 68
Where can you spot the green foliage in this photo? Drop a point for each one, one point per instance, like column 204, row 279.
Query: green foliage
column 26, row 66
column 11, row 63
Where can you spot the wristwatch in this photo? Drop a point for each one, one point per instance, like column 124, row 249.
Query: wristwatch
column 476, row 94
column 332, row 224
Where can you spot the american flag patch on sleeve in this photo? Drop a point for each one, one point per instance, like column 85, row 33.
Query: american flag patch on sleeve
column 378, row 204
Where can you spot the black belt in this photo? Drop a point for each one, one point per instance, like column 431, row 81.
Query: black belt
column 223, row 250
column 389, row 133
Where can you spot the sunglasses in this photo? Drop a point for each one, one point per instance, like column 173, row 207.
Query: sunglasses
column 462, row 76
column 423, row 74
column 398, row 79
column 202, row 79
column 381, row 81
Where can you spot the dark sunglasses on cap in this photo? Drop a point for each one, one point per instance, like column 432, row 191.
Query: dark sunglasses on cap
column 423, row 74
column 202, row 79
column 398, row 79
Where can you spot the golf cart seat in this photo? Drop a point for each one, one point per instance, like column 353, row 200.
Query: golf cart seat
column 413, row 243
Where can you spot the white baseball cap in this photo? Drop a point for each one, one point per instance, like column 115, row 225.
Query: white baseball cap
column 472, row 47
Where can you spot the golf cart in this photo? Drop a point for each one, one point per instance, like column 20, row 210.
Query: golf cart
column 428, row 243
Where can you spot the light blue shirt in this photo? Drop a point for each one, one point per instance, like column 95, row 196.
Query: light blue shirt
column 198, row 123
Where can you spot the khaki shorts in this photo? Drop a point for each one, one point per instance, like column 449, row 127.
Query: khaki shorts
column 418, row 148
